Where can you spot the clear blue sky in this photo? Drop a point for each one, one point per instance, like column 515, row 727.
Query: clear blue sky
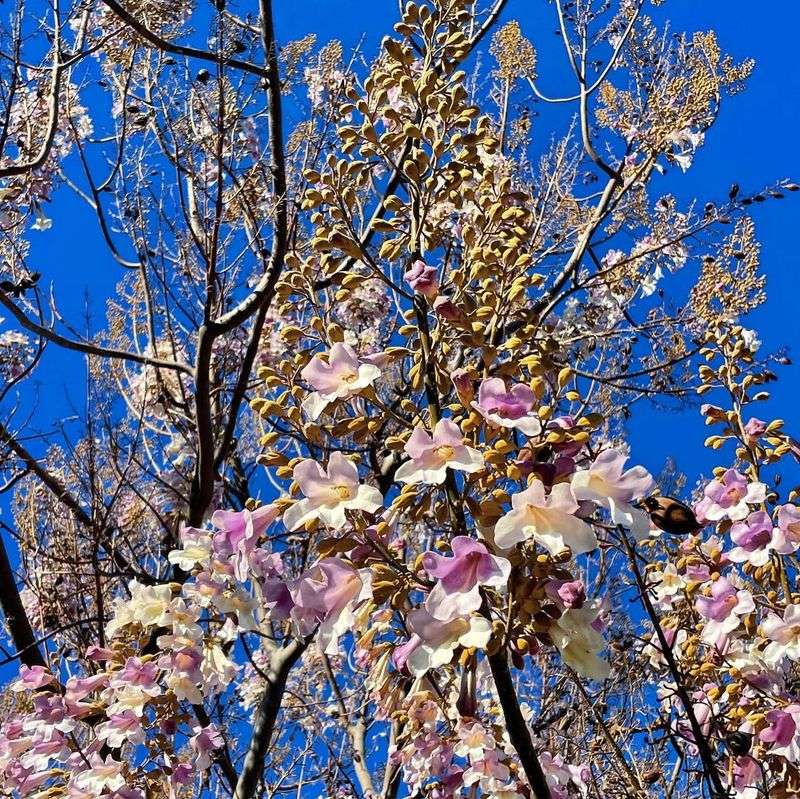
column 753, row 143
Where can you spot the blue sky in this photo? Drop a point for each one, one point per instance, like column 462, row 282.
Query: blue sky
column 753, row 143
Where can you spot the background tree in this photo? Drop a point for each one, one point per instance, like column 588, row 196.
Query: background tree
column 350, row 512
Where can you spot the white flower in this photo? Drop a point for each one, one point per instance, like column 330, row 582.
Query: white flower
column 579, row 643
column 549, row 520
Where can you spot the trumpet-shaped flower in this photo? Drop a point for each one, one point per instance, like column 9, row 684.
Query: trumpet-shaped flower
column 203, row 743
column 431, row 456
column 607, row 485
column 510, row 408
column 324, row 596
column 578, row 641
column 239, row 532
column 329, row 493
column 195, row 549
column 101, row 774
column 784, row 634
column 723, row 611
column 423, row 279
column 787, row 533
column 341, row 376
column 457, row 591
column 549, row 520
column 433, row 641
column 754, row 538
column 782, row 732
column 730, row 497
column 120, row 729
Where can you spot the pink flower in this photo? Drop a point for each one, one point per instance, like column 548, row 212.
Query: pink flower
column 323, row 596
column 755, row 428
column 457, row 592
column 432, row 456
column 31, row 678
column 329, row 493
column 571, row 594
column 447, row 309
column 239, row 532
column 723, row 611
column 423, row 279
column 787, row 534
column 754, row 539
column 121, row 728
column 512, row 408
column 183, row 774
column 433, row 641
column 205, row 741
column 274, row 591
column 102, row 774
column 79, row 687
column 549, row 520
column 341, row 376
column 782, row 732
column 138, row 674
column 462, row 382
column 730, row 496
column 607, row 485
column 576, row 637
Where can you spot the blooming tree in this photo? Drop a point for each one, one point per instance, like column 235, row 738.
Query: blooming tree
column 351, row 511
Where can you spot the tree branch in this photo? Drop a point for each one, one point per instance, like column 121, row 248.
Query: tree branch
column 264, row 720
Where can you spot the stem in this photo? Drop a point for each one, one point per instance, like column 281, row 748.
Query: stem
column 700, row 740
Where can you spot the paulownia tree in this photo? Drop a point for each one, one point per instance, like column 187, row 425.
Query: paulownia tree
column 350, row 512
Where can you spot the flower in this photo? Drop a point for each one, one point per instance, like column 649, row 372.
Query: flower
column 667, row 584
column 462, row 382
column 511, row 408
column 754, row 538
column 239, row 532
column 570, row 593
column 722, row 611
column 784, row 633
column 787, row 533
column 432, row 456
column 782, row 732
column 323, row 596
column 447, row 309
column 605, row 484
column 675, row 639
column 31, row 677
column 457, row 592
column 101, row 774
column 433, row 641
column 121, row 728
column 579, row 642
column 205, row 741
column 329, row 493
column 755, row 428
column 341, row 376
column 549, row 520
column 195, row 549
column 729, row 497
column 423, row 279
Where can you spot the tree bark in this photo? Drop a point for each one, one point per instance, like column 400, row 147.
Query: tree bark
column 264, row 718
column 516, row 726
